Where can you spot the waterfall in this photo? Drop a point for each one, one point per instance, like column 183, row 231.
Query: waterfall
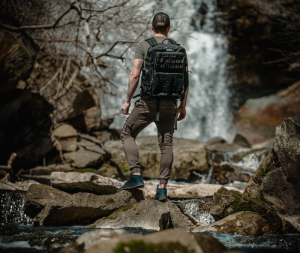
column 208, row 106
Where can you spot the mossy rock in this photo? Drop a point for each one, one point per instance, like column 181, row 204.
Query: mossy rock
column 142, row 247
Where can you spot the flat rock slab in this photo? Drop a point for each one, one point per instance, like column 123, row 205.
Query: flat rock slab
column 164, row 241
column 24, row 185
column 178, row 191
column 189, row 155
column 148, row 214
column 52, row 207
column 84, row 182
column 243, row 223
column 9, row 186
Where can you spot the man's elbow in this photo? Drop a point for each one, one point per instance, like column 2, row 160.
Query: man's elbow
column 134, row 77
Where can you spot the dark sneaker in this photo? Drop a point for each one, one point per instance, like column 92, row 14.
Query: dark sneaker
column 161, row 194
column 134, row 181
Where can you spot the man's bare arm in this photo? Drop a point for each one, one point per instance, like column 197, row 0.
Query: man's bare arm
column 132, row 83
column 181, row 108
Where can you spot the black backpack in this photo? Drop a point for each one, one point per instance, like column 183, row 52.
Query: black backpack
column 164, row 72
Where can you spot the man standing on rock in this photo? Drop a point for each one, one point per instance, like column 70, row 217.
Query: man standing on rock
column 163, row 64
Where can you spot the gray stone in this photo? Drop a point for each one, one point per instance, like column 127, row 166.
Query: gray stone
column 179, row 191
column 164, row 241
column 53, row 207
column 277, row 180
column 84, row 182
column 243, row 223
column 24, row 185
column 65, row 137
column 84, row 158
column 149, row 214
column 92, row 238
column 9, row 186
column 40, row 170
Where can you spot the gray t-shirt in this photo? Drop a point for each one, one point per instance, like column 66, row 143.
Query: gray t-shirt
column 142, row 48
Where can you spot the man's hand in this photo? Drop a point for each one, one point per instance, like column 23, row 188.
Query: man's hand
column 125, row 108
column 181, row 111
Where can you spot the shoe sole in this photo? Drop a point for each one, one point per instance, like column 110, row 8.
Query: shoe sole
column 134, row 187
column 162, row 199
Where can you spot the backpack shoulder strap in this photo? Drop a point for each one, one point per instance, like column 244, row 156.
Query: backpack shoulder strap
column 152, row 42
column 171, row 41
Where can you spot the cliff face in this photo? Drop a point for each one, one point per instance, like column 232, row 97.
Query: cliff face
column 264, row 41
column 38, row 90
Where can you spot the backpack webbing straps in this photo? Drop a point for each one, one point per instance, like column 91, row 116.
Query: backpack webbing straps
column 157, row 109
column 152, row 42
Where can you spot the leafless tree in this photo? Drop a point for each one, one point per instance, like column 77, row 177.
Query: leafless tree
column 85, row 32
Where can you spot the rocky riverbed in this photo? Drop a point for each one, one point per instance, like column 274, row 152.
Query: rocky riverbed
column 83, row 212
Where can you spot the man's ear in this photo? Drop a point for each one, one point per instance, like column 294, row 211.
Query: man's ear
column 168, row 29
column 152, row 28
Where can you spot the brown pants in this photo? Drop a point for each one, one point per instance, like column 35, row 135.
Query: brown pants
column 141, row 116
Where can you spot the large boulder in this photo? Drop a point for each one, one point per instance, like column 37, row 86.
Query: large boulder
column 227, row 202
column 65, row 137
column 164, row 241
column 9, row 186
column 41, row 170
column 228, row 173
column 92, row 238
column 277, row 180
column 84, row 182
column 179, row 191
column 243, row 223
column 24, row 185
column 189, row 155
column 52, row 207
column 239, row 144
column 86, row 158
column 149, row 214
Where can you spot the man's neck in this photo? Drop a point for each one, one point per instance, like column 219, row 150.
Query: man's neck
column 160, row 35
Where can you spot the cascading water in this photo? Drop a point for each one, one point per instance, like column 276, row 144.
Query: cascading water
column 208, row 110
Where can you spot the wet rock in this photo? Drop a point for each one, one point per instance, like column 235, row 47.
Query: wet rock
column 92, row 238
column 226, row 202
column 178, row 191
column 65, row 137
column 40, row 170
column 227, row 173
column 85, row 158
column 209, row 244
column 148, row 214
column 84, row 182
column 9, row 186
column 189, row 155
column 53, row 207
column 24, row 185
column 239, row 144
column 243, row 223
column 277, row 180
column 241, row 141
column 164, row 241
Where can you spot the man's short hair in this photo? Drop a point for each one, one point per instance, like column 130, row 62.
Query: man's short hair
column 161, row 22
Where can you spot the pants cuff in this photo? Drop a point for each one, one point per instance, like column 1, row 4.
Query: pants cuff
column 163, row 181
column 135, row 170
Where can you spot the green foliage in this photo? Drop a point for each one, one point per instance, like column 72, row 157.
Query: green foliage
column 142, row 247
